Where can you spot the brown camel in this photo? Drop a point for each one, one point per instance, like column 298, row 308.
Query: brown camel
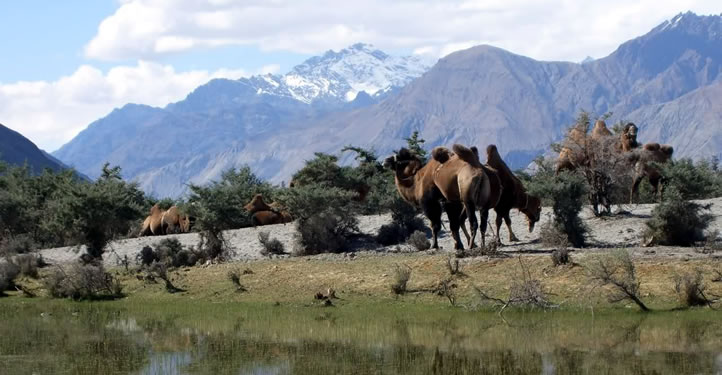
column 415, row 184
column 462, row 178
column 513, row 195
column 274, row 213
column 643, row 167
column 173, row 221
column 153, row 224
column 628, row 138
column 577, row 143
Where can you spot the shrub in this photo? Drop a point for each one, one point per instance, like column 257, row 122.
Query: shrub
column 551, row 235
column 693, row 180
column 328, row 231
column 560, row 257
column 691, row 288
column 419, row 241
column 83, row 282
column 212, row 246
column 567, row 192
column 235, row 277
column 404, row 222
column 160, row 270
column 8, row 273
column 147, row 256
column 402, row 274
column 28, row 264
column 20, row 244
column 391, row 234
column 270, row 246
column 677, row 222
column 617, row 270
column 524, row 291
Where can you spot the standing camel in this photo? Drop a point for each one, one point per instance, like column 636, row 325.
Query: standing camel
column 415, row 184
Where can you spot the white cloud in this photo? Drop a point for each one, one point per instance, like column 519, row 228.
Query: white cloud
column 552, row 30
column 52, row 113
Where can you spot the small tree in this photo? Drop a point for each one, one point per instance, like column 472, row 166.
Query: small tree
column 567, row 193
column 616, row 270
column 415, row 145
column 676, row 221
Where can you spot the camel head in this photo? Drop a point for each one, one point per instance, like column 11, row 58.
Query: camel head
column 186, row 223
column 629, row 136
column 155, row 209
column 257, row 204
column 403, row 163
column 532, row 211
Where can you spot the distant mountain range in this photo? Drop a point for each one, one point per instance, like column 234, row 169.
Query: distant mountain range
column 667, row 82
column 18, row 151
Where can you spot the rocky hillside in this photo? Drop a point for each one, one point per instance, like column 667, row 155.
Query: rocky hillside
column 664, row 81
column 15, row 149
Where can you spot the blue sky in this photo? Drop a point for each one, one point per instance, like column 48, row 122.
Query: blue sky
column 67, row 63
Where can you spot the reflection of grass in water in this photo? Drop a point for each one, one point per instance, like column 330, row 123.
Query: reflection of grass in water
column 360, row 338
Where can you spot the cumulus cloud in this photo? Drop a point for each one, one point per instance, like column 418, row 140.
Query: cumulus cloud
column 52, row 113
column 550, row 30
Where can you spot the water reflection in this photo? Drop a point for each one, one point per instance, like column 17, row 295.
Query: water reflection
column 114, row 341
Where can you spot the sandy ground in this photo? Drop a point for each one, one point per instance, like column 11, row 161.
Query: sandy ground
column 623, row 230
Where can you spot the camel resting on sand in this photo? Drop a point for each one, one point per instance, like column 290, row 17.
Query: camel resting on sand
column 265, row 214
column 415, row 184
column 462, row 178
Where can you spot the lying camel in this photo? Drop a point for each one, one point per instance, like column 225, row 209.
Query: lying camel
column 513, row 195
column 415, row 184
column 643, row 167
column 173, row 221
column 265, row 214
column 462, row 178
column 153, row 224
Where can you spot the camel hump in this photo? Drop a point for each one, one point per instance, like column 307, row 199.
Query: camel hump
column 441, row 154
column 652, row 146
column 466, row 154
column 667, row 149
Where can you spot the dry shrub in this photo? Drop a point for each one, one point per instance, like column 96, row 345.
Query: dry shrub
column 419, row 241
column 525, row 292
column 235, row 277
column 168, row 251
column 690, row 289
column 212, row 246
column 402, row 274
column 550, row 235
column 83, row 282
column 616, row 270
column 561, row 257
column 160, row 270
column 453, row 267
column 270, row 246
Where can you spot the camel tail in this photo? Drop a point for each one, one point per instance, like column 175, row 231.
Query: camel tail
column 466, row 154
column 441, row 154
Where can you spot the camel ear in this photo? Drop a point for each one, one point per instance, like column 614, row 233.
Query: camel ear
column 475, row 150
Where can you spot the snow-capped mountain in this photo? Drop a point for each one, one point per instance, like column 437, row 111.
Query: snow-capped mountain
column 340, row 76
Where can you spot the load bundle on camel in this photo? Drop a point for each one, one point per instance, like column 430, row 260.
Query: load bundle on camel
column 578, row 149
column 153, row 224
column 173, row 221
column 513, row 195
column 644, row 166
column 415, row 184
column 265, row 214
column 462, row 178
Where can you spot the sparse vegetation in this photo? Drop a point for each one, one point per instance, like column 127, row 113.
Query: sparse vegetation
column 419, row 241
column 616, row 270
column 234, row 276
column 270, row 246
column 83, row 282
column 524, row 291
column 402, row 275
column 690, row 288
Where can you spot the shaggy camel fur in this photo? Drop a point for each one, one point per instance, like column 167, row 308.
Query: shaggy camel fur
column 265, row 214
column 153, row 224
column 173, row 221
column 415, row 184
column 643, row 167
column 513, row 195
column 462, row 178
column 628, row 139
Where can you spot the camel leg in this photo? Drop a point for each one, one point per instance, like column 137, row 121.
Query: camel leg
column 654, row 181
column 499, row 219
column 507, row 220
column 473, row 223
column 462, row 224
column 635, row 187
column 432, row 210
column 482, row 228
column 453, row 211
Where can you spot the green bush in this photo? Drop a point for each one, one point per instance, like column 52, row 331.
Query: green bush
column 567, row 192
column 692, row 180
column 83, row 282
column 19, row 244
column 677, row 222
column 404, row 222
column 326, row 232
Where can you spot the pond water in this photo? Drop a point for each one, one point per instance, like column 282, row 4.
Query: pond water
column 205, row 338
